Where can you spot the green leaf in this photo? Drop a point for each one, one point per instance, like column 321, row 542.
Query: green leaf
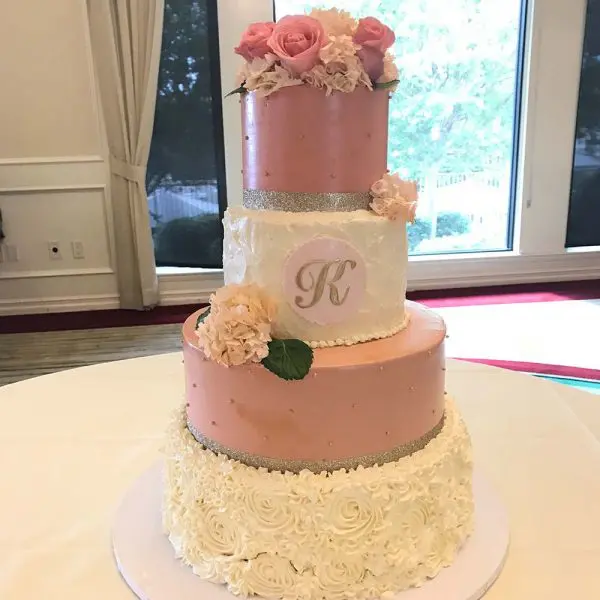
column 240, row 90
column 386, row 85
column 289, row 359
column 202, row 316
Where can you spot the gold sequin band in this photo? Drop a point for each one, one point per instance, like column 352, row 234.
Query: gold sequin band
column 306, row 201
column 295, row 466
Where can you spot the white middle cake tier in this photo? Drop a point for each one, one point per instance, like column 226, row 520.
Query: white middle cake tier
column 337, row 277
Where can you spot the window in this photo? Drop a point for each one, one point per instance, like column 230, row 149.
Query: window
column 583, row 227
column 452, row 119
column 492, row 96
column 186, row 171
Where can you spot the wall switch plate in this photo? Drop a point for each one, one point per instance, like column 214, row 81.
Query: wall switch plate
column 54, row 251
column 11, row 253
column 8, row 253
column 77, row 250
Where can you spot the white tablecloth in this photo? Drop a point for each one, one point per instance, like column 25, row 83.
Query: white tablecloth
column 71, row 443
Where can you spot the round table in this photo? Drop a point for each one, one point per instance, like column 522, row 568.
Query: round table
column 73, row 442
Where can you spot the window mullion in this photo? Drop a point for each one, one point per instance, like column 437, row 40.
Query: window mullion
column 549, row 124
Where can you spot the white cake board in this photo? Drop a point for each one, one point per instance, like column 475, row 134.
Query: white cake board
column 148, row 564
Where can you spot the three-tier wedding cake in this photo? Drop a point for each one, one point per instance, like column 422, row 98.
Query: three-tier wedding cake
column 317, row 454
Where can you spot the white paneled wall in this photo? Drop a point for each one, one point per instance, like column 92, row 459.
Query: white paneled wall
column 52, row 173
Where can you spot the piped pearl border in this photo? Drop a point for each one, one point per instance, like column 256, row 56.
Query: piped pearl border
column 359, row 339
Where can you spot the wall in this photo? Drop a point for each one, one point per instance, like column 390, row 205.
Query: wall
column 52, row 174
column 236, row 14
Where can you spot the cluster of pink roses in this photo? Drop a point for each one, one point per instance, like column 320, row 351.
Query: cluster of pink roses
column 328, row 43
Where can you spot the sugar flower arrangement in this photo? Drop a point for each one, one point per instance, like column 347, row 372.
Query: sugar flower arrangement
column 236, row 330
column 326, row 49
column 394, row 198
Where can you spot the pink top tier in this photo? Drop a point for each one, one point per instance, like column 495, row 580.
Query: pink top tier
column 300, row 140
column 357, row 400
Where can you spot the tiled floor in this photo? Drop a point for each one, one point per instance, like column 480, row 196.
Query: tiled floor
column 25, row 355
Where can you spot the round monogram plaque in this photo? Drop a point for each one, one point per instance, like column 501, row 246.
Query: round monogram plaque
column 324, row 280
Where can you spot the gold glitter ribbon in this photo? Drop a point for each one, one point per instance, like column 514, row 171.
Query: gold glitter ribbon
column 295, row 466
column 306, row 201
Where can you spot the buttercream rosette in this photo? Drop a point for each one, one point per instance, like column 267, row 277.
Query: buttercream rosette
column 358, row 533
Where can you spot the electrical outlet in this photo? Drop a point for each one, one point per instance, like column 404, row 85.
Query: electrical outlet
column 77, row 250
column 11, row 253
column 54, row 251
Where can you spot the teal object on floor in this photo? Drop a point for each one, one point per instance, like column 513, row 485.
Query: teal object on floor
column 587, row 385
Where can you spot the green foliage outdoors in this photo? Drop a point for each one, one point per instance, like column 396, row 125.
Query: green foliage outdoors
column 183, row 147
column 452, row 112
column 447, row 223
column 190, row 242
column 454, row 108
column 584, row 208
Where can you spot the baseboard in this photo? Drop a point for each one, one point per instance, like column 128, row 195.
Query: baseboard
column 29, row 306
column 186, row 297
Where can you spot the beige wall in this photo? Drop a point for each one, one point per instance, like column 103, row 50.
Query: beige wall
column 52, row 175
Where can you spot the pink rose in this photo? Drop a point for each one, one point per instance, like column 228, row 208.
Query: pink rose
column 254, row 41
column 372, row 61
column 372, row 33
column 374, row 38
column 296, row 41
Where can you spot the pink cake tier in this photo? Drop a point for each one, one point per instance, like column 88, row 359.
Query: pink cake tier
column 365, row 404
column 300, row 140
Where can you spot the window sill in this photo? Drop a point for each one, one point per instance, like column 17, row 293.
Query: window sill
column 169, row 271
column 179, row 285
column 447, row 271
column 501, row 268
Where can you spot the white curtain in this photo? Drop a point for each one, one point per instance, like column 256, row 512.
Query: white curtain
column 126, row 39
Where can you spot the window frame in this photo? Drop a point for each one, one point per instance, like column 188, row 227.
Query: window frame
column 553, row 44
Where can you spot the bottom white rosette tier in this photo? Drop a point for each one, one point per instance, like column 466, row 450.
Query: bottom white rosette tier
column 345, row 534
